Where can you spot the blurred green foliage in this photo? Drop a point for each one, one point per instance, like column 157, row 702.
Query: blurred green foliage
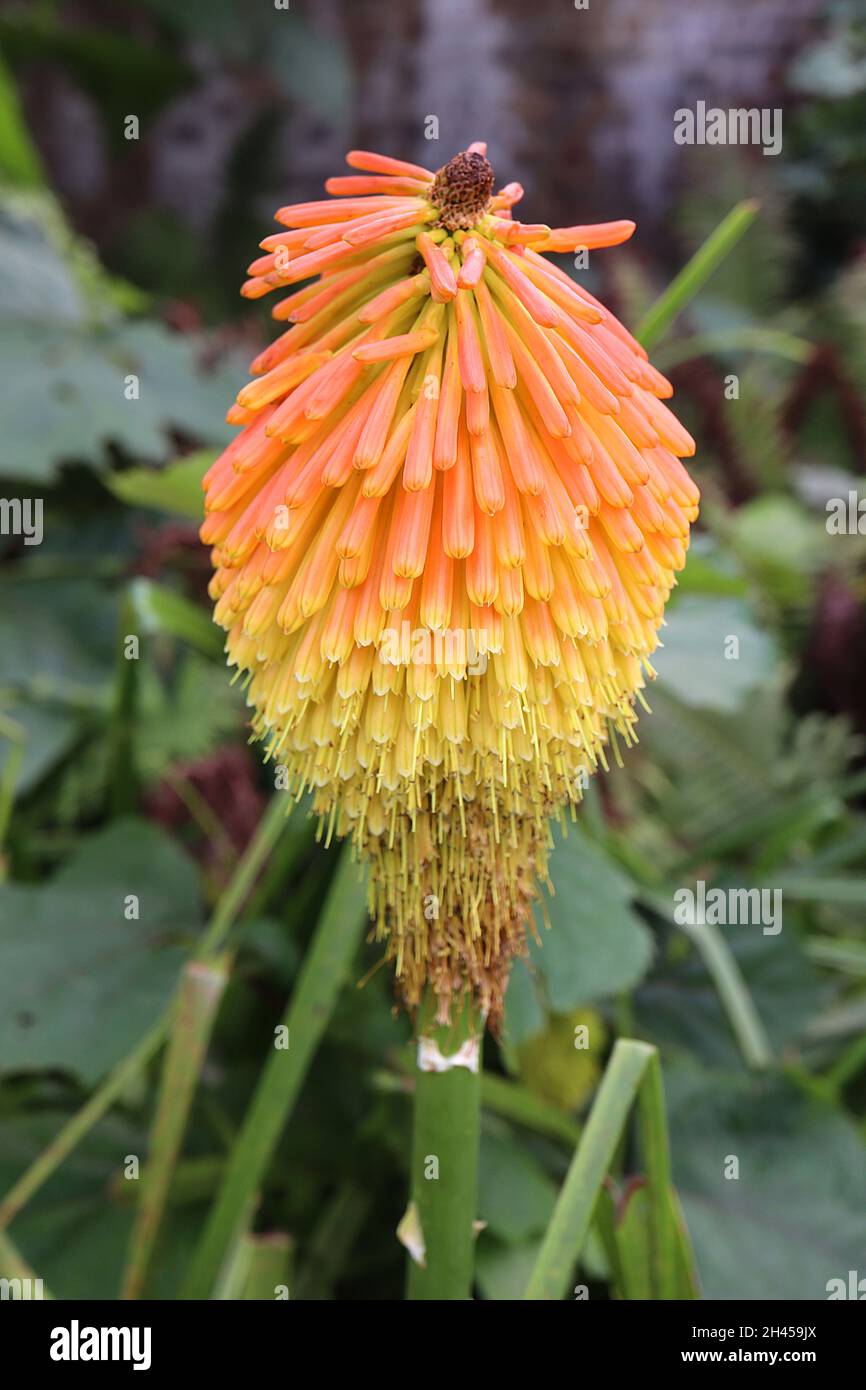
column 749, row 771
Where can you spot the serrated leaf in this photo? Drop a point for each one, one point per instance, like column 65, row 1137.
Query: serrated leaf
column 63, row 394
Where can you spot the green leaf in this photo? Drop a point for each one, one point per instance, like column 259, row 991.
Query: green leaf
column 33, row 276
column 162, row 610
column 692, row 662
column 633, row 1239
column 65, row 382
column 597, row 945
column 524, row 1010
column 81, row 983
column 680, row 1003
column 59, row 646
column 710, row 571
column 175, row 489
column 781, row 545
column 19, row 162
column 515, row 1195
column 186, row 718
column 77, row 1233
column 46, row 736
column 834, row 892
column 338, row 929
column 794, row 1217
column 578, row 1197
column 502, row 1270
column 732, row 339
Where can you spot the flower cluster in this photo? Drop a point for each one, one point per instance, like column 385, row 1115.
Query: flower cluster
column 451, row 434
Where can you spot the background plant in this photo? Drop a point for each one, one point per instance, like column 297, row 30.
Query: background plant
column 121, row 778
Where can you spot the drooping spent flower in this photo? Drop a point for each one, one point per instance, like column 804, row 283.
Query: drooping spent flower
column 443, row 541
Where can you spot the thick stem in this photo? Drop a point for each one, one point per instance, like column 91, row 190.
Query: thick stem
column 440, row 1230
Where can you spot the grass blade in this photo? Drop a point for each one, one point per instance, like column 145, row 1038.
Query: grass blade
column 201, row 990
column 734, row 995
column 261, row 1268
column 14, row 1267
column 577, row 1200
column 335, row 940
column 237, row 890
column 227, row 909
column 732, row 989
column 14, row 732
column 42, row 1168
column 657, row 1161
column 695, row 273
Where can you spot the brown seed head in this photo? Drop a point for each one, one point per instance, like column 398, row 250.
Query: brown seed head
column 461, row 190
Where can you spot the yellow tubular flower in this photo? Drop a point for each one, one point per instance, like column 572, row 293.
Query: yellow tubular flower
column 443, row 541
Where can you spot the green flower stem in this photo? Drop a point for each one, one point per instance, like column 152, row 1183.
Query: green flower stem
column 695, row 273
column 335, row 940
column 201, row 990
column 499, row 1095
column 295, row 844
column 445, row 1142
column 114, row 1085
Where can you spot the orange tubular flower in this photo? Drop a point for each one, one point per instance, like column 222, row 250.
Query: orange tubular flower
column 443, row 541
